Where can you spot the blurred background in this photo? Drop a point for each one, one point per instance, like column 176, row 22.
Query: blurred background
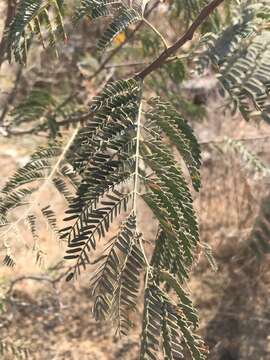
column 38, row 309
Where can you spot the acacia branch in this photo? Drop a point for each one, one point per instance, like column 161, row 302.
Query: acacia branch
column 203, row 15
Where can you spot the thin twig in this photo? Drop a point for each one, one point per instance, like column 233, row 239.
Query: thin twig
column 156, row 32
column 137, row 157
column 43, row 278
column 55, row 168
column 201, row 18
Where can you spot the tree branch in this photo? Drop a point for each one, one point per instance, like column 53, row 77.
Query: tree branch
column 203, row 15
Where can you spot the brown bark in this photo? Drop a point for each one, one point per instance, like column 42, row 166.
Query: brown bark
column 203, row 15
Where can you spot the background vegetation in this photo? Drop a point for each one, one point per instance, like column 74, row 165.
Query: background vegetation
column 40, row 313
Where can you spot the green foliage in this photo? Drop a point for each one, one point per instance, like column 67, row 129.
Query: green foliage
column 250, row 161
column 9, row 261
column 13, row 199
column 103, row 156
column 239, row 54
column 16, row 349
column 180, row 134
column 123, row 16
column 116, row 281
column 128, row 150
column 175, row 70
column 121, row 155
column 51, row 217
column 44, row 168
column 35, row 105
column 42, row 109
column 93, row 9
column 34, row 18
column 165, row 322
column 35, row 169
